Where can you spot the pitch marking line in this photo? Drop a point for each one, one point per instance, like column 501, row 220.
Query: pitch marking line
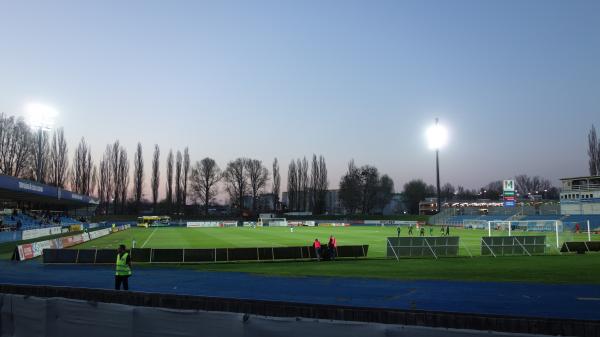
column 149, row 236
column 588, row 298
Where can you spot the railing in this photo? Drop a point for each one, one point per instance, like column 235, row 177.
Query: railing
column 586, row 187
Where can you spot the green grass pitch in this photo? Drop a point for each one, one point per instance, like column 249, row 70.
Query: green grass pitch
column 551, row 268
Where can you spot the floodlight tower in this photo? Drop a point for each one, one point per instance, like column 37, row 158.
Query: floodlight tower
column 437, row 137
column 40, row 118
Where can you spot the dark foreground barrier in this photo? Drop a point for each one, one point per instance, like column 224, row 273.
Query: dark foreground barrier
column 580, row 247
column 451, row 320
column 198, row 255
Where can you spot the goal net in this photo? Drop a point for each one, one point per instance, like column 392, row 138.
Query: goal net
column 272, row 222
column 526, row 225
column 552, row 228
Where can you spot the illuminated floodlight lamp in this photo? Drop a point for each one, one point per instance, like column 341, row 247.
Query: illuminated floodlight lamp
column 437, row 136
column 40, row 116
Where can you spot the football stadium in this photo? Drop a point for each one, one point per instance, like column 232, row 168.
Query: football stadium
column 418, row 272
column 299, row 168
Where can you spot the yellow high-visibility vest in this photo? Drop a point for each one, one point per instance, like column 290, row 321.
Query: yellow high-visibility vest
column 122, row 266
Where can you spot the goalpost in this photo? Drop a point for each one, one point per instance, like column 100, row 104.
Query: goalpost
column 555, row 226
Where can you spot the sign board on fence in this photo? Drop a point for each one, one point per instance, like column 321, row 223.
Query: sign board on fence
column 198, row 224
column 36, row 233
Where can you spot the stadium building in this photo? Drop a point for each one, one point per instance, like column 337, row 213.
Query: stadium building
column 580, row 195
column 27, row 205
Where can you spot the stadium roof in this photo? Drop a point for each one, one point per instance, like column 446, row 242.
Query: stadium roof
column 585, row 177
column 15, row 189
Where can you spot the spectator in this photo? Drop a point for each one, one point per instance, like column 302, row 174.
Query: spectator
column 332, row 247
column 317, row 246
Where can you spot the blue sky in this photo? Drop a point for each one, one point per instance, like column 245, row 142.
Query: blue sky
column 516, row 82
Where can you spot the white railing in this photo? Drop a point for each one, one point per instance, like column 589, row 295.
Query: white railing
column 586, row 187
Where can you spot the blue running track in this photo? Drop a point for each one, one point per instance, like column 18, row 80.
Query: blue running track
column 516, row 299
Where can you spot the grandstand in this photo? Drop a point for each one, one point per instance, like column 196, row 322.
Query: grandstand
column 27, row 205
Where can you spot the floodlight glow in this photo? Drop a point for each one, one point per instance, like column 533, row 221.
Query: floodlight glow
column 437, row 136
column 40, row 116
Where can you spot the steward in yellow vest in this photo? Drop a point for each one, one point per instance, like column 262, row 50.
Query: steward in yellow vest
column 123, row 268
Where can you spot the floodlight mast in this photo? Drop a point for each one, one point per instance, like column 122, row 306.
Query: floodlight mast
column 437, row 136
column 40, row 118
column 437, row 173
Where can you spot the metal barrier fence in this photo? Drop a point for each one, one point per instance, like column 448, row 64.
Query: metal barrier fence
column 442, row 246
column 197, row 255
column 580, row 247
column 513, row 245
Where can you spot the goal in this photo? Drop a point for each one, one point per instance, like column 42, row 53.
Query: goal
column 549, row 226
column 272, row 222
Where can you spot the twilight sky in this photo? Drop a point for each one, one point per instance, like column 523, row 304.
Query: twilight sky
column 517, row 83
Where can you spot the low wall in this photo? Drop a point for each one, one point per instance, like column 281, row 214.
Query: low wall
column 65, row 311
column 32, row 250
column 10, row 236
column 208, row 255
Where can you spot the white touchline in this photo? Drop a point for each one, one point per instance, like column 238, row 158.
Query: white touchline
column 149, row 236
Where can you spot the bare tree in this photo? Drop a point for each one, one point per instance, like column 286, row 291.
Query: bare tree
column 93, row 180
column 318, row 184
column 203, row 181
column 303, row 183
column 116, row 180
column 105, row 185
column 276, row 183
column 258, row 175
column 119, row 167
column 385, row 192
column 314, row 173
column 350, row 192
column 178, row 181
column 15, row 146
column 526, row 185
column 447, row 192
column 236, row 183
column 186, row 173
column 81, row 172
column 370, row 187
column 59, row 162
column 414, row 192
column 41, row 156
column 593, row 152
column 138, row 176
column 292, row 186
column 155, row 175
column 123, row 177
column 170, row 179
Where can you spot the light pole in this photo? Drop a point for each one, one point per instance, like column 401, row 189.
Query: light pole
column 437, row 137
column 40, row 118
